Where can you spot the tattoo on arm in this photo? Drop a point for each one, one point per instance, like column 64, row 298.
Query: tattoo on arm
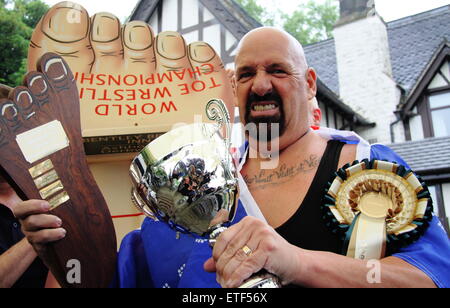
column 281, row 175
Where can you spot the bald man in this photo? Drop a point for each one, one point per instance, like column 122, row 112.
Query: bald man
column 275, row 86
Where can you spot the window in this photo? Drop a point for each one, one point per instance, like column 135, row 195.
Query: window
column 440, row 114
column 440, row 193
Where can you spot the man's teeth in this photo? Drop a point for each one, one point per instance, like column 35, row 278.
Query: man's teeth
column 264, row 107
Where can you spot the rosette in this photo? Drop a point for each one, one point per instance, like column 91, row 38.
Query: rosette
column 377, row 207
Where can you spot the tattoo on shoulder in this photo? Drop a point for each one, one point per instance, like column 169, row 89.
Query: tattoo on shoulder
column 281, row 175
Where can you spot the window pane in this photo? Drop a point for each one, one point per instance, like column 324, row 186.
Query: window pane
column 441, row 124
column 440, row 100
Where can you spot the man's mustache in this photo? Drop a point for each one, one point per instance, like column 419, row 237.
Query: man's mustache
column 255, row 98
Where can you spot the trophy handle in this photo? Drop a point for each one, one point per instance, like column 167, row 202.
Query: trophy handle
column 140, row 205
column 217, row 111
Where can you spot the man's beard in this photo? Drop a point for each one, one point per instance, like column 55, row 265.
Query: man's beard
column 266, row 126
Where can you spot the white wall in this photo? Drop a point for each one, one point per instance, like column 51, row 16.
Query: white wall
column 365, row 75
column 416, row 127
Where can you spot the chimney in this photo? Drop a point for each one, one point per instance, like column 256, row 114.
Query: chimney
column 364, row 67
column 353, row 10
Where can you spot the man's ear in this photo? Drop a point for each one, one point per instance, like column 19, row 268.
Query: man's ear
column 311, row 80
column 317, row 116
column 232, row 77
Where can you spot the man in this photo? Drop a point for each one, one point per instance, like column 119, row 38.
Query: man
column 273, row 86
column 274, row 74
column 19, row 266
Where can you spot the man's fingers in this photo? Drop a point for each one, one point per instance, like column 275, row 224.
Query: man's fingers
column 31, row 207
column 245, row 270
column 45, row 236
column 40, row 221
column 210, row 265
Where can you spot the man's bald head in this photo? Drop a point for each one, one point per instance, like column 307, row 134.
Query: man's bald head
column 274, row 84
column 271, row 37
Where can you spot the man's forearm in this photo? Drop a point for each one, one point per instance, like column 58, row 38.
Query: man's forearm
column 328, row 270
column 14, row 262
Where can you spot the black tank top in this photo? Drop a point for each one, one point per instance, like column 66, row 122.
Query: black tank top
column 306, row 228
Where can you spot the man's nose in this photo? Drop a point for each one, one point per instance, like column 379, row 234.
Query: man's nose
column 261, row 84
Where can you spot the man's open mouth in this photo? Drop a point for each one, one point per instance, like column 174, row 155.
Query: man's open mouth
column 264, row 106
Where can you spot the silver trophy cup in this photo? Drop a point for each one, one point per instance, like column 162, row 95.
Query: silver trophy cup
column 187, row 178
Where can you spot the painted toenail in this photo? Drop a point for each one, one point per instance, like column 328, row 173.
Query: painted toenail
column 105, row 28
column 201, row 52
column 55, row 69
column 138, row 36
column 38, row 85
column 171, row 45
column 9, row 112
column 25, row 99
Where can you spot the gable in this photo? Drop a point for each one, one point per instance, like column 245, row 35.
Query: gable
column 413, row 41
column 435, row 76
column 220, row 23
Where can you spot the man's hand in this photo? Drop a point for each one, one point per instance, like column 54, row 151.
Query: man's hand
column 38, row 226
column 248, row 247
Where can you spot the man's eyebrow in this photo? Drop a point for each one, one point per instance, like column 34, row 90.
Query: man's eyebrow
column 276, row 65
column 244, row 69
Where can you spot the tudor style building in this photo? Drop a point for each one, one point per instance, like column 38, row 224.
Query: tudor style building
column 397, row 75
column 222, row 24
column 390, row 82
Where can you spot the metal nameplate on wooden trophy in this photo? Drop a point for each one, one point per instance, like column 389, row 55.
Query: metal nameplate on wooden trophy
column 41, row 150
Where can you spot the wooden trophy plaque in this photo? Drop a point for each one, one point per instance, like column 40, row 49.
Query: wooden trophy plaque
column 41, row 150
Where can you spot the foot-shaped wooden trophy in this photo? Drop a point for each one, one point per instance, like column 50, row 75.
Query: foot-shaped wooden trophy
column 41, row 150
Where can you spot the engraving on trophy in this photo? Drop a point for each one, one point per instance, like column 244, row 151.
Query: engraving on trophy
column 51, row 189
column 42, row 141
column 58, row 200
column 46, row 179
column 41, row 168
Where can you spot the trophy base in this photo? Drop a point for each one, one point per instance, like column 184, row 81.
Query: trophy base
column 262, row 280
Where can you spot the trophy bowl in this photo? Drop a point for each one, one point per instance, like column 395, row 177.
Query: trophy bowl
column 187, row 179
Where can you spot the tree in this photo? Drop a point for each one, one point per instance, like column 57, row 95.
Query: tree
column 312, row 22
column 309, row 23
column 258, row 12
column 17, row 21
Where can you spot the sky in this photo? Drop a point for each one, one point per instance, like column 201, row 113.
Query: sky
column 388, row 9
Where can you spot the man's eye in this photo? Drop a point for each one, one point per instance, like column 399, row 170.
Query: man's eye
column 278, row 72
column 245, row 75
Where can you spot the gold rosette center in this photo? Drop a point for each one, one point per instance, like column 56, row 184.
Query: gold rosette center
column 375, row 205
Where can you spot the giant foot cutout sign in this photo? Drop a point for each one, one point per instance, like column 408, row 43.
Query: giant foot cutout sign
column 41, row 150
column 132, row 84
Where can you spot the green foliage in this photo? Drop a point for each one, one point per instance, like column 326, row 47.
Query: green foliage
column 312, row 22
column 17, row 21
column 257, row 12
